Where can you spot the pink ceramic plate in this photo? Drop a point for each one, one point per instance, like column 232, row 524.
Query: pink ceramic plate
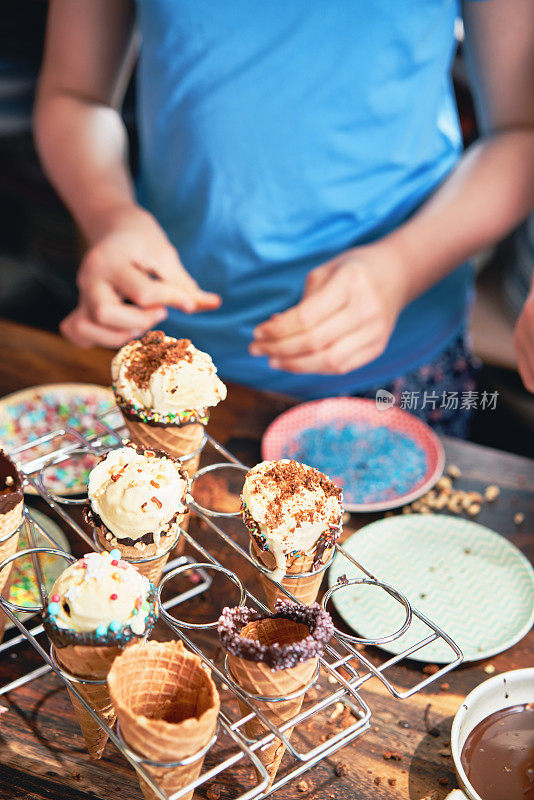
column 280, row 438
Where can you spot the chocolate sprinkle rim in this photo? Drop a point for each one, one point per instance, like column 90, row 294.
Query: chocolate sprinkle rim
column 324, row 543
column 11, row 494
column 63, row 637
column 277, row 657
column 179, row 419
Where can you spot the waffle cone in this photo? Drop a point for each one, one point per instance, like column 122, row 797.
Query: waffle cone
column 167, row 706
column 9, row 524
column 150, row 569
column 92, row 663
column 176, row 440
column 305, row 590
column 257, row 678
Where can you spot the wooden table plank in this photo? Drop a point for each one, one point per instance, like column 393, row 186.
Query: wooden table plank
column 41, row 749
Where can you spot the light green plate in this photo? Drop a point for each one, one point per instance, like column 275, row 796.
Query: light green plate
column 469, row 580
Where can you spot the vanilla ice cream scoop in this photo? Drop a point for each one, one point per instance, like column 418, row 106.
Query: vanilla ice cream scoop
column 135, row 492
column 101, row 594
column 289, row 507
column 167, row 376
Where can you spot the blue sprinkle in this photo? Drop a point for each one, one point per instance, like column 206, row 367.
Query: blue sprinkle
column 371, row 463
column 115, row 554
column 53, row 608
column 115, row 626
column 101, row 630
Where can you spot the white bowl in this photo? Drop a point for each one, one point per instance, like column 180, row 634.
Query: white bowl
column 502, row 691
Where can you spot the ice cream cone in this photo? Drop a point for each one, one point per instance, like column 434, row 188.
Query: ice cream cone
column 96, row 608
column 137, row 501
column 304, row 589
column 176, row 440
column 151, row 569
column 92, row 663
column 167, row 707
column 257, row 678
column 273, row 656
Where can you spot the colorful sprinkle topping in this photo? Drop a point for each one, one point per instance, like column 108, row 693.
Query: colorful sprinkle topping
column 371, row 463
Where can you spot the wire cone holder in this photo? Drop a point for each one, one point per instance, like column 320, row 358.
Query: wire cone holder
column 259, row 733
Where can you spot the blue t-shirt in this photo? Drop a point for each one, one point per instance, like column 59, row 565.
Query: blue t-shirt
column 275, row 134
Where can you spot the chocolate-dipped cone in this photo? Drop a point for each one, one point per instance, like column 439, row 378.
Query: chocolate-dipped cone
column 274, row 656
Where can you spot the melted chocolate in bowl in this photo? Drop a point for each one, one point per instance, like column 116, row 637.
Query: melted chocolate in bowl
column 498, row 755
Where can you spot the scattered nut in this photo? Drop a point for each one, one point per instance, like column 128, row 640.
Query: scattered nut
column 492, row 492
column 392, row 781
column 444, row 687
column 441, row 501
column 430, row 669
column 337, row 712
column 214, row 792
column 444, row 483
column 471, row 497
column 454, row 471
column 303, row 786
column 9, row 480
column 389, row 755
column 489, row 669
column 378, row 780
column 341, row 768
column 474, row 509
column 519, row 518
column 455, row 502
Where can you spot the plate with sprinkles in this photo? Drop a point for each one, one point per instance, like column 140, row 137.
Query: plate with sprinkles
column 34, row 412
column 382, row 458
column 24, row 590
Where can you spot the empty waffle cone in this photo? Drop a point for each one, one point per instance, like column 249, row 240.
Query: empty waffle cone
column 305, row 589
column 9, row 527
column 167, row 706
column 150, row 569
column 92, row 663
column 257, row 678
column 176, row 440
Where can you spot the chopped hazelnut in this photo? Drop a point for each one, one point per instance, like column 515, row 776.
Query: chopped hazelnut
column 492, row 492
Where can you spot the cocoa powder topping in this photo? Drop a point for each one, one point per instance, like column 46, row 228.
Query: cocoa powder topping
column 153, row 352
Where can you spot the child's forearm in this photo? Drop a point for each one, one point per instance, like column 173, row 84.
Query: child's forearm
column 83, row 149
column 487, row 195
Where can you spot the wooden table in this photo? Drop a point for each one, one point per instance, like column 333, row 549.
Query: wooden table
column 41, row 750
